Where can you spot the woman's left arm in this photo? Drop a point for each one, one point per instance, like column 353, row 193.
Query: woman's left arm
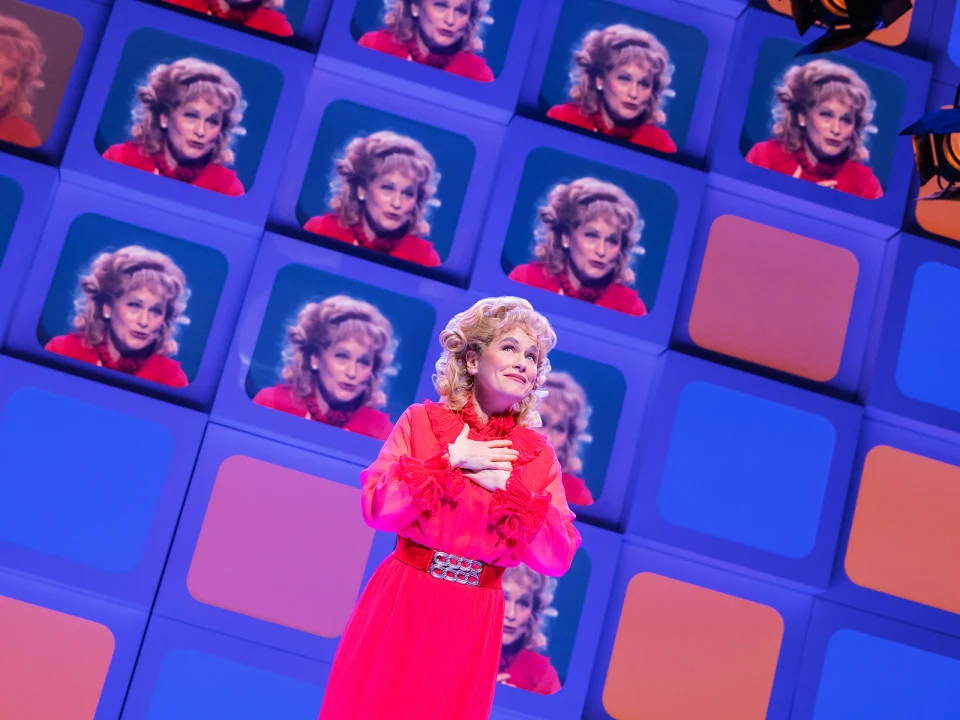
column 537, row 525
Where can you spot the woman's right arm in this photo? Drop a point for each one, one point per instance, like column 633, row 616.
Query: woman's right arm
column 398, row 487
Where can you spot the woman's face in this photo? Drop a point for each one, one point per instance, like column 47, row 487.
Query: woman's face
column 555, row 426
column 829, row 127
column 505, row 371
column 517, row 610
column 443, row 22
column 193, row 129
column 136, row 319
column 10, row 78
column 626, row 92
column 390, row 201
column 344, row 369
column 594, row 248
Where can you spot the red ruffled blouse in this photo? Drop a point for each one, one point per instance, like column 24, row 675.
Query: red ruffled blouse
column 576, row 490
column 528, row 670
column 365, row 421
column 614, row 296
column 650, row 136
column 155, row 368
column 266, row 20
column 851, row 177
column 210, row 177
column 410, row 247
column 465, row 64
column 14, row 129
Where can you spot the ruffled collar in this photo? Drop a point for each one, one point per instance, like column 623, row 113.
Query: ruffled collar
column 435, row 60
column 238, row 16
column 129, row 365
column 377, row 243
column 447, row 425
column 333, row 416
column 181, row 173
column 589, row 293
column 620, row 132
column 824, row 169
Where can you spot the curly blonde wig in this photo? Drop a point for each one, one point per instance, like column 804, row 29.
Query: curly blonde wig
column 542, row 588
column 169, row 86
column 19, row 43
column 570, row 205
column 806, row 86
column 611, row 48
column 366, row 158
column 398, row 18
column 113, row 274
column 322, row 324
column 569, row 403
column 475, row 329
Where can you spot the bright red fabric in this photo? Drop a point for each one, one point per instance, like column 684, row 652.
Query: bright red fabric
column 576, row 490
column 852, row 177
column 264, row 19
column 212, row 177
column 14, row 129
column 651, row 136
column 411, row 248
column 157, row 368
column 465, row 64
column 531, row 671
column 367, row 421
column 417, row 647
column 616, row 297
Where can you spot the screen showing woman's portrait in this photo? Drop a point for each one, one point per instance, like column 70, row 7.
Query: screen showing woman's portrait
column 600, row 237
column 457, row 36
column 351, row 359
column 611, row 72
column 382, row 190
column 201, row 118
column 540, row 619
column 38, row 48
column 11, row 199
column 266, row 16
column 829, row 121
column 141, row 305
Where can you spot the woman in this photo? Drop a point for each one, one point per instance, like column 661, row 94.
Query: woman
column 822, row 114
column 586, row 235
column 619, row 80
column 128, row 311
column 384, row 185
column 444, row 34
column 21, row 63
column 337, row 357
column 187, row 115
column 469, row 477
column 262, row 15
column 527, row 597
column 565, row 413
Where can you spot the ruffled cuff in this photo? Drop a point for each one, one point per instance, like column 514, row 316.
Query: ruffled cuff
column 431, row 481
column 518, row 513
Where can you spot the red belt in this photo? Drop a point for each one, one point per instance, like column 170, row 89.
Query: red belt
column 444, row 566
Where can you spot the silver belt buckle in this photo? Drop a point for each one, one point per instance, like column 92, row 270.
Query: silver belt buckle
column 456, row 569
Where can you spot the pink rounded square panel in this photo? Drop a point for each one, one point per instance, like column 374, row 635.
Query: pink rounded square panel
column 281, row 546
column 52, row 665
column 774, row 298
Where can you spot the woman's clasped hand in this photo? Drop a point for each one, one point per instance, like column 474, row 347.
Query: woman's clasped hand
column 488, row 463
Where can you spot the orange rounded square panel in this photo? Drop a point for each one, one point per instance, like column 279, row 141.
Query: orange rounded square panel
column 892, row 36
column 774, row 298
column 52, row 665
column 905, row 538
column 683, row 651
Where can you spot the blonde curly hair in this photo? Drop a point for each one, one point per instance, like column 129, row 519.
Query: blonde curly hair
column 398, row 18
column 806, row 86
column 543, row 589
column 572, row 204
column 322, row 324
column 474, row 329
column 570, row 401
column 610, row 48
column 366, row 158
column 19, row 43
column 169, row 86
column 114, row 274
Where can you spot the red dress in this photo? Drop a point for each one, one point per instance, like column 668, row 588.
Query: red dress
column 210, row 177
column 417, row 647
column 465, row 64
column 531, row 671
column 14, row 129
column 409, row 247
column 851, row 177
column 650, row 136
column 365, row 421
column 264, row 19
column 614, row 297
column 155, row 368
column 576, row 490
